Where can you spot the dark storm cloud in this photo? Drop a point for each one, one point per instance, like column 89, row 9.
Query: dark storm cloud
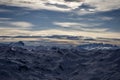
column 87, row 6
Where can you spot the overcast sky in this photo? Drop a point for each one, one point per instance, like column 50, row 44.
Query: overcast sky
column 94, row 18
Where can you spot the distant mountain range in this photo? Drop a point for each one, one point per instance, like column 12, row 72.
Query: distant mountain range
column 60, row 37
column 94, row 46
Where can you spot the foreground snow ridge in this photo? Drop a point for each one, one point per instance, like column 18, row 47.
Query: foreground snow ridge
column 84, row 62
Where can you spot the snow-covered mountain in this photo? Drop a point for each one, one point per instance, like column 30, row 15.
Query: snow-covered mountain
column 92, row 46
column 21, row 62
column 17, row 44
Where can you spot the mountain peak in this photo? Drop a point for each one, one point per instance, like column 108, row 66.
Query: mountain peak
column 19, row 43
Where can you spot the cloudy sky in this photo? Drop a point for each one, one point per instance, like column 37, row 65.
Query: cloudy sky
column 95, row 18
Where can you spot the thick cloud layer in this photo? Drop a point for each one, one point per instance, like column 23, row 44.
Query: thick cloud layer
column 104, row 5
column 44, row 4
column 57, row 5
column 49, row 17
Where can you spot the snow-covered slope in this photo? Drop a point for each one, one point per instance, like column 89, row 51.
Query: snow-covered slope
column 21, row 62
